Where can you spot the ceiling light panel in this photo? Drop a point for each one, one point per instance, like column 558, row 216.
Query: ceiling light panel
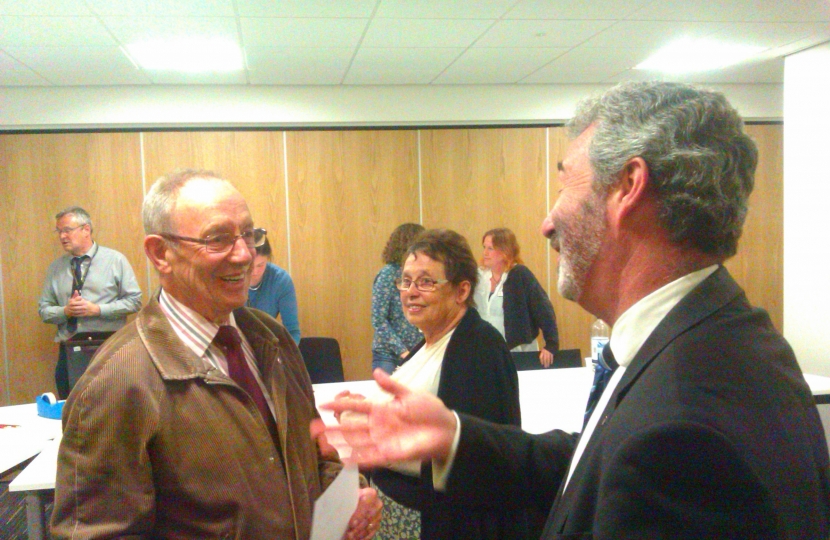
column 695, row 55
column 306, row 8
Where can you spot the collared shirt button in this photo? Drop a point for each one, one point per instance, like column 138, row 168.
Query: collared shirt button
column 271, row 459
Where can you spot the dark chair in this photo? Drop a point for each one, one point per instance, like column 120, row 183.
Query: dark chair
column 322, row 359
column 79, row 351
column 562, row 359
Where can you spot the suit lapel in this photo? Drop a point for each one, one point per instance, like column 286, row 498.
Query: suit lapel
column 711, row 295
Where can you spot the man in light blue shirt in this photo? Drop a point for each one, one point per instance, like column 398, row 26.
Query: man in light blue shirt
column 90, row 289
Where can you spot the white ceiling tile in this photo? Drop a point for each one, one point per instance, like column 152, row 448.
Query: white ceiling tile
column 788, row 11
column 574, row 9
column 164, row 8
column 52, row 31
column 130, row 30
column 278, row 32
column 71, row 66
column 306, row 8
column 39, row 7
column 766, row 72
column 693, row 10
column 437, row 33
column 540, row 33
column 652, row 34
column 587, row 65
column 280, row 65
column 770, row 35
column 442, row 9
column 14, row 73
column 497, row 66
column 399, row 66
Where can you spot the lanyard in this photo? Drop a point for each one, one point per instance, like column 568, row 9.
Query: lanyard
column 78, row 285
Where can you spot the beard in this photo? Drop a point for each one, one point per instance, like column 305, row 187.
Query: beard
column 579, row 238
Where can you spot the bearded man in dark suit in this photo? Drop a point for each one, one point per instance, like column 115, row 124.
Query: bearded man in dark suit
column 706, row 429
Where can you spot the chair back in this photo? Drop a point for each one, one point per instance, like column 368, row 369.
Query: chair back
column 80, row 349
column 564, row 358
column 322, row 359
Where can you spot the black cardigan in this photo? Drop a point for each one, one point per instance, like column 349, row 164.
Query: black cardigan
column 477, row 378
column 527, row 309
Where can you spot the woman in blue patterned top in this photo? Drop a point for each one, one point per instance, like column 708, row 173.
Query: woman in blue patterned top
column 272, row 291
column 394, row 335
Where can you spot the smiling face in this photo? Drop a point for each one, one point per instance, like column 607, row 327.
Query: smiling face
column 437, row 312
column 576, row 225
column 493, row 257
column 212, row 284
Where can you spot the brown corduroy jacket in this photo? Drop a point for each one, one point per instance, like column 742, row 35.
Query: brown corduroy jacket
column 158, row 445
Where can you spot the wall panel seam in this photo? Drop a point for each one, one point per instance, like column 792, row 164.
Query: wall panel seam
column 287, row 208
column 6, row 375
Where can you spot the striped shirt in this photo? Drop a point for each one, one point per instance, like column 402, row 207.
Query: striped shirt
column 197, row 333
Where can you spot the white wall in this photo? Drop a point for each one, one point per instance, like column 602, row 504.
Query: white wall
column 806, row 212
column 283, row 106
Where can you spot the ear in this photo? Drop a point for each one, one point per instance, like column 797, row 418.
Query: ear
column 630, row 191
column 156, row 249
column 462, row 292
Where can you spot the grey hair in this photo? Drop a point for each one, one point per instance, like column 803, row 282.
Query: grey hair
column 701, row 162
column 80, row 216
column 160, row 201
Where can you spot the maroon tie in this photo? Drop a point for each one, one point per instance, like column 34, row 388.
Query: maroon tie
column 228, row 339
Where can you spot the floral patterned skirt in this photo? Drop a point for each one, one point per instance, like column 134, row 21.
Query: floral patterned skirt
column 399, row 522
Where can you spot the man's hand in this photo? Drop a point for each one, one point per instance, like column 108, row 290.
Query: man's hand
column 78, row 306
column 365, row 521
column 545, row 358
column 410, row 426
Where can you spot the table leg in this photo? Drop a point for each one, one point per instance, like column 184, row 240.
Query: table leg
column 35, row 515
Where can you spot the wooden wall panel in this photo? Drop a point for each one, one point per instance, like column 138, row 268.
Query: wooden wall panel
column 574, row 322
column 42, row 174
column 251, row 160
column 347, row 191
column 478, row 179
column 759, row 264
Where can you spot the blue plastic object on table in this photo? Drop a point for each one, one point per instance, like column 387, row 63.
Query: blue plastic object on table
column 47, row 407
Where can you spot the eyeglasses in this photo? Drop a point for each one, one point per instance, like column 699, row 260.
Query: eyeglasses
column 67, row 230
column 423, row 284
column 222, row 243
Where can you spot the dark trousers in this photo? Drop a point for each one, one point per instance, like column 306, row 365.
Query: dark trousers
column 62, row 373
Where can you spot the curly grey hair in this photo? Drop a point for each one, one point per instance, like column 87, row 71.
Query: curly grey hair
column 701, row 163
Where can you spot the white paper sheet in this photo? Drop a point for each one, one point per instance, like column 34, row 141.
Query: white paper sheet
column 336, row 505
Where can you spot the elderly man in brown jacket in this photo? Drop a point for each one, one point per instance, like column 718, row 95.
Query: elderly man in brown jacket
column 179, row 431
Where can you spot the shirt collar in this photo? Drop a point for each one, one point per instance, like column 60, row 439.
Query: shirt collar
column 639, row 321
column 193, row 329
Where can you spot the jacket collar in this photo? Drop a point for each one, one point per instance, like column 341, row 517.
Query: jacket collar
column 711, row 295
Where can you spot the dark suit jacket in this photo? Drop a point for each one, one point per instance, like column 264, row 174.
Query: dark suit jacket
column 478, row 378
column 712, row 432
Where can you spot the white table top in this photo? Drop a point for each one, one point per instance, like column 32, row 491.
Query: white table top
column 28, row 436
column 819, row 385
column 550, row 399
column 41, row 472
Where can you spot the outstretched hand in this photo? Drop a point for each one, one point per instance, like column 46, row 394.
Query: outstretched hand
column 410, row 426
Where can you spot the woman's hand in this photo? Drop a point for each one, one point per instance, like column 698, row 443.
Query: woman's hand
column 545, row 358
